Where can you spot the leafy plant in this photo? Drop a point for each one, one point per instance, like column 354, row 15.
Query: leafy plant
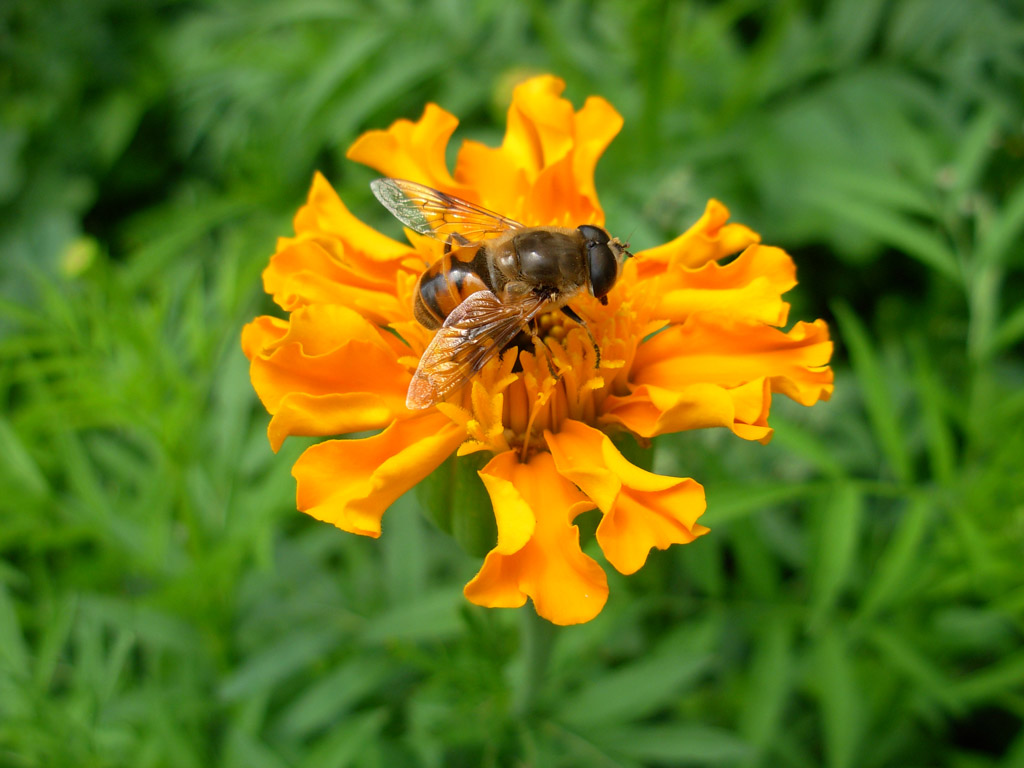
column 859, row 601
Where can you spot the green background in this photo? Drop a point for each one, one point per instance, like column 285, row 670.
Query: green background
column 860, row 600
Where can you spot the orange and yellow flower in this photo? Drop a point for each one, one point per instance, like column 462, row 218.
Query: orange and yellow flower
column 686, row 340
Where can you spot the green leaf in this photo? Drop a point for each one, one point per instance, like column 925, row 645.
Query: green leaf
column 728, row 503
column 275, row 664
column 642, row 687
column 836, row 550
column 851, row 26
column 756, row 562
column 899, row 231
column 886, row 190
column 455, row 498
column 976, row 147
column 343, row 744
column 939, row 434
column 18, row 465
column 875, row 390
column 1000, row 239
column 13, row 650
column 920, row 671
column 431, row 616
column 1010, row 331
column 334, row 694
column 51, row 644
column 983, row 305
column 988, row 683
column 404, row 545
column 898, row 561
column 331, row 72
column 677, row 743
column 768, row 684
column 809, row 446
column 840, row 705
column 243, row 750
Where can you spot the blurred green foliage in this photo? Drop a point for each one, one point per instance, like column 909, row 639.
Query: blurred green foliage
column 860, row 601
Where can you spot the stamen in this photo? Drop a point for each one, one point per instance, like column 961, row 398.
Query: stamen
column 567, row 375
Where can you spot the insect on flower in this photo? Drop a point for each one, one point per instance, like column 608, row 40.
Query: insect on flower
column 498, row 278
column 468, row 337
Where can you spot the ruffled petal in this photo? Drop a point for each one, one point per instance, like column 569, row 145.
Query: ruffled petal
column 543, row 173
column 304, row 272
column 709, row 239
column 748, row 288
column 351, row 483
column 501, row 185
column 413, row 151
column 650, row 411
column 567, row 586
column 330, row 372
column 512, row 513
column 596, row 125
column 539, row 131
column 325, row 214
column 321, row 328
column 641, row 510
column 300, row 414
column 717, row 350
column 555, row 198
column 262, row 333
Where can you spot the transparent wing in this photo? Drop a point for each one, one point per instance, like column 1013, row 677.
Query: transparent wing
column 434, row 213
column 477, row 330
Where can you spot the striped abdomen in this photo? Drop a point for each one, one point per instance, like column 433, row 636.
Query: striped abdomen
column 446, row 284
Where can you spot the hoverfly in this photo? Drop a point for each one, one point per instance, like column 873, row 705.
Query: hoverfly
column 478, row 299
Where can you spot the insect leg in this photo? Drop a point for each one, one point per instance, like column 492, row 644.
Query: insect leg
column 571, row 314
column 541, row 349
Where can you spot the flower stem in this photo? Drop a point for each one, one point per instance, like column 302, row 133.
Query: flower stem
column 537, row 639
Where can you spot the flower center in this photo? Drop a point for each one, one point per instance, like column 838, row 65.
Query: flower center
column 554, row 374
column 552, row 325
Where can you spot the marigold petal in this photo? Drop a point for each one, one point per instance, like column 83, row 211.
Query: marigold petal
column 710, row 238
column 331, row 373
column 304, row 272
column 567, row 586
column 501, row 185
column 543, row 173
column 408, row 150
column 325, row 214
column 351, row 483
column 641, row 510
column 355, row 367
column 300, row 414
column 596, row 125
column 321, row 328
column 555, row 198
column 512, row 513
column 649, row 411
column 715, row 349
column 261, row 333
column 748, row 288
column 539, row 130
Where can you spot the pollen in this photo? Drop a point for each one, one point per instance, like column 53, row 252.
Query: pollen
column 552, row 325
column 530, row 391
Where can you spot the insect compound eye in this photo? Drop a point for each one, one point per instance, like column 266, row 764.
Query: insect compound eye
column 593, row 234
column 604, row 268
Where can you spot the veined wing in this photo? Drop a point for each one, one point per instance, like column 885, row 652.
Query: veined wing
column 437, row 214
column 474, row 333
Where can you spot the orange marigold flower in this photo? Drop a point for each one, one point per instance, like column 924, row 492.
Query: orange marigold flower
column 686, row 341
